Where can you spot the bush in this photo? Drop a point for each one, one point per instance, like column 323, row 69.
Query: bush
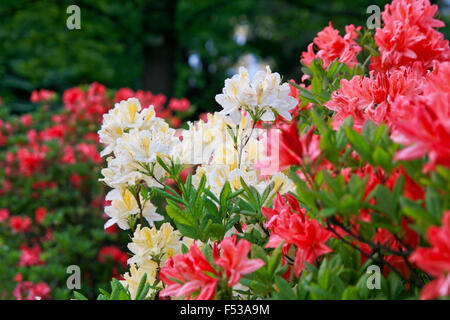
column 335, row 188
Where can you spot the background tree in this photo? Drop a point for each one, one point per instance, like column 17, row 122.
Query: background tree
column 175, row 47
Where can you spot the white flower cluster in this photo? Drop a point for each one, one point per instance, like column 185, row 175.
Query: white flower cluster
column 151, row 249
column 224, row 148
column 220, row 159
column 264, row 93
column 135, row 137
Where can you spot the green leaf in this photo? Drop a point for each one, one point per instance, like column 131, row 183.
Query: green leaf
column 359, row 144
column 433, row 202
column 382, row 158
column 285, row 289
column 178, row 215
column 79, row 296
column 141, row 285
column 350, row 293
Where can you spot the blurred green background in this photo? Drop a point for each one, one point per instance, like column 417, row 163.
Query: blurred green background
column 176, row 47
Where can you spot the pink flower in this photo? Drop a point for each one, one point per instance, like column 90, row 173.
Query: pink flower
column 436, row 260
column 185, row 274
column 4, row 214
column 30, row 256
column 29, row 291
column 234, row 261
column 41, row 95
column 41, row 290
column 289, row 223
column 26, row 120
column 89, row 151
column 179, row 104
column 68, row 155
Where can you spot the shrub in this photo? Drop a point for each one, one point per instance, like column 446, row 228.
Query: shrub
column 333, row 188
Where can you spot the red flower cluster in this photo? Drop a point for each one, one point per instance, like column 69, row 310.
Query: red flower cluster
column 289, row 223
column 425, row 126
column 333, row 46
column 30, row 256
column 114, row 253
column 436, row 260
column 20, row 225
column 27, row 290
column 188, row 273
column 371, row 98
column 285, row 148
column 401, row 90
column 408, row 36
column 41, row 95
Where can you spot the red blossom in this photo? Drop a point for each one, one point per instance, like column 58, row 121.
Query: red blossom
column 179, row 104
column 333, row 46
column 288, row 223
column 114, row 253
column 30, row 256
column 40, row 214
column 285, row 148
column 187, row 273
column 234, row 259
column 4, row 214
column 436, row 260
column 20, row 225
column 408, row 36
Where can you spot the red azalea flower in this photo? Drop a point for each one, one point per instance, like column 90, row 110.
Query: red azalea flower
column 425, row 128
column 89, row 151
column 289, row 223
column 68, row 155
column 41, row 95
column 408, row 36
column 370, row 97
column 4, row 214
column 123, row 94
column 40, row 214
column 187, row 273
column 76, row 180
column 436, row 260
column 285, row 149
column 30, row 256
column 26, row 120
column 331, row 46
column 114, row 253
column 234, row 259
column 179, row 104
column 20, row 225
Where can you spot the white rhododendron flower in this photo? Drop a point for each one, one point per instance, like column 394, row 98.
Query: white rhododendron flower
column 133, row 278
column 265, row 92
column 149, row 213
column 151, row 248
column 135, row 137
column 123, row 204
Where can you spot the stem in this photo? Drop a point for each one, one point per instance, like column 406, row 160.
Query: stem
column 376, row 248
